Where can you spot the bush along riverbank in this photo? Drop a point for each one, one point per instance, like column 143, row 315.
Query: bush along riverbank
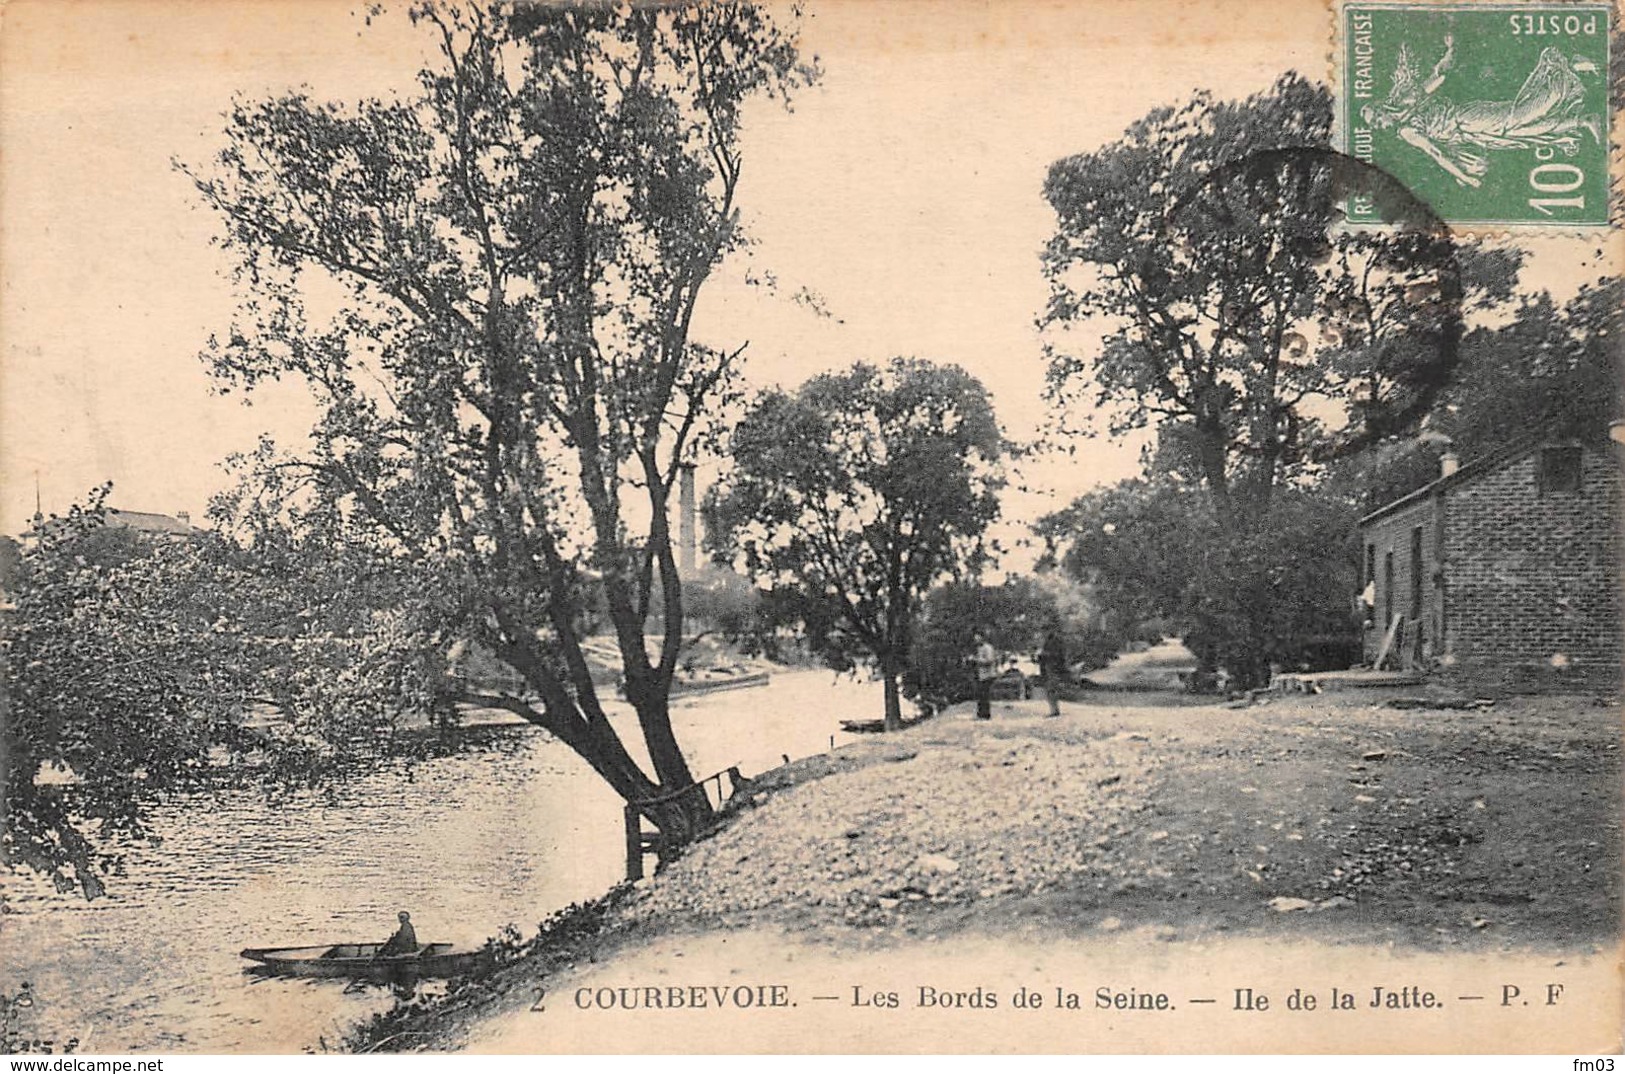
column 569, row 935
column 1316, row 820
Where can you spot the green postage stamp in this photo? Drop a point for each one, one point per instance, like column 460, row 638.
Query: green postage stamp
column 1492, row 114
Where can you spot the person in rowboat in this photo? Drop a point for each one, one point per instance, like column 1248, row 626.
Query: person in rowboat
column 405, row 940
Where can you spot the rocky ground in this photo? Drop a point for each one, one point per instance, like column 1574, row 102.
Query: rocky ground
column 1334, row 819
column 1334, row 814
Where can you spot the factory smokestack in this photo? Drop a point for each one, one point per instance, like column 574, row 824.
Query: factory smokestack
column 688, row 534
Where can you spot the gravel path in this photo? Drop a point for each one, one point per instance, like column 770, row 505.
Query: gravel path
column 1435, row 827
column 972, row 812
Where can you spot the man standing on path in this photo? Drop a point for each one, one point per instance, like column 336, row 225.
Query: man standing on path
column 987, row 669
column 1052, row 667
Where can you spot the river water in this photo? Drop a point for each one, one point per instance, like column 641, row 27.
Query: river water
column 505, row 831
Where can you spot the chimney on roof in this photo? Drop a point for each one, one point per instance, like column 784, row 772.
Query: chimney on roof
column 1449, row 463
column 183, row 517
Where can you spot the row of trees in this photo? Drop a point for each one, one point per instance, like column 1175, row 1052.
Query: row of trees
column 1295, row 372
column 488, row 286
column 139, row 667
column 1296, row 375
column 1153, row 550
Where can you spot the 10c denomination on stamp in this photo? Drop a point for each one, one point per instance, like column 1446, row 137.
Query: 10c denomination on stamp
column 1492, row 114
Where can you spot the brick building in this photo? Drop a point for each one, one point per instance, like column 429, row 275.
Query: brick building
column 1504, row 572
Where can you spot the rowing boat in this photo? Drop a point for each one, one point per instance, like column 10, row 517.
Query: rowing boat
column 363, row 960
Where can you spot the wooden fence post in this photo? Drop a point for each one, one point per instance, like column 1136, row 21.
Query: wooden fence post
column 665, row 843
column 634, row 843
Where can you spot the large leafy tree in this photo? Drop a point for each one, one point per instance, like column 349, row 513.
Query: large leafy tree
column 1202, row 254
column 1552, row 371
column 1014, row 616
column 109, row 696
column 139, row 666
column 851, row 496
column 488, row 286
column 1200, row 284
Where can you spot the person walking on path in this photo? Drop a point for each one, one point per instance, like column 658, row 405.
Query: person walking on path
column 987, row 669
column 1052, row 667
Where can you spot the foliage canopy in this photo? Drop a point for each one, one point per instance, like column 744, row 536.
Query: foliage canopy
column 488, row 288
column 1237, row 317
column 1225, row 308
column 851, row 496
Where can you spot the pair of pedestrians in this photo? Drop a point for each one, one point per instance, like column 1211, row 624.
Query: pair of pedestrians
column 1051, row 669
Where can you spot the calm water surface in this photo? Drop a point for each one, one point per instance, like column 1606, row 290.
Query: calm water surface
column 506, row 831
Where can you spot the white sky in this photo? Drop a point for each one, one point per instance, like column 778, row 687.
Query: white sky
column 905, row 190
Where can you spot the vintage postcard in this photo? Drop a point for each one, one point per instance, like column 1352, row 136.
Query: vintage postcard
column 902, row 526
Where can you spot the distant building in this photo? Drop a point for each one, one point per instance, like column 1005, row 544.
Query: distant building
column 1503, row 572
column 178, row 526
column 11, row 555
column 144, row 524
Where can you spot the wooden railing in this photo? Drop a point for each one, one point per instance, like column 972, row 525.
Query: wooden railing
column 663, row 843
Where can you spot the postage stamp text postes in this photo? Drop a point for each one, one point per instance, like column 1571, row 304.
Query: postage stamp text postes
column 1492, row 114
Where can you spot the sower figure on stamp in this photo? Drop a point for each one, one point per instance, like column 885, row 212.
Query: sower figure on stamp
column 1052, row 667
column 1549, row 111
column 987, row 669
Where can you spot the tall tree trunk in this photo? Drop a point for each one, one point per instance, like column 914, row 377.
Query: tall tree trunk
column 899, row 612
column 680, row 810
column 1255, row 672
column 1211, row 440
column 692, row 810
column 1207, row 660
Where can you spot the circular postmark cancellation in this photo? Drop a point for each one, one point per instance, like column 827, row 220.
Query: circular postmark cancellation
column 1405, row 272
column 1320, row 174
column 1490, row 113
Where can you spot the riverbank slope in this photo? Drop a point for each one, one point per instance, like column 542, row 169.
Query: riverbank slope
column 1139, row 844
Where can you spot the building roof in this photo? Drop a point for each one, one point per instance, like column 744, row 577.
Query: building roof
column 1484, row 464
column 149, row 522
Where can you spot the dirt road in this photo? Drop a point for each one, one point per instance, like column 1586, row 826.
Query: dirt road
column 1295, row 835
column 1422, row 826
